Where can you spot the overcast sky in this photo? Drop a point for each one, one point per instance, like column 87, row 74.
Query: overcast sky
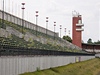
column 61, row 12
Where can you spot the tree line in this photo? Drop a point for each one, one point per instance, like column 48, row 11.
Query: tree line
column 68, row 38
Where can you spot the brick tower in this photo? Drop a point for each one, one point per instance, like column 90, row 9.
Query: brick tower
column 77, row 29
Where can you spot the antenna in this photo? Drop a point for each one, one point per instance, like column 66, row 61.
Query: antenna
column 75, row 14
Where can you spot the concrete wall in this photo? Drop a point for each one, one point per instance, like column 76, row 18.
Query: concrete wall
column 41, row 39
column 93, row 50
column 21, row 64
column 4, row 33
column 97, row 55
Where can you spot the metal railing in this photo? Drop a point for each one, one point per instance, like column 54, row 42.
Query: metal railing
column 6, row 50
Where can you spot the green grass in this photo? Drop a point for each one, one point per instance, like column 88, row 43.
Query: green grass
column 89, row 67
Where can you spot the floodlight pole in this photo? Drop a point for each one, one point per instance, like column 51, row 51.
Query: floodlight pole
column 23, row 16
column 54, row 29
column 36, row 22
column 46, row 25
column 3, row 16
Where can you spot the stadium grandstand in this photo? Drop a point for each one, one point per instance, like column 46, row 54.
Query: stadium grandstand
column 11, row 36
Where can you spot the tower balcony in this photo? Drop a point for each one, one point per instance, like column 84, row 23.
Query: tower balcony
column 79, row 24
column 79, row 29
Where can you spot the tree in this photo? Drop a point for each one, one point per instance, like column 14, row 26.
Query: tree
column 67, row 38
column 89, row 41
column 98, row 42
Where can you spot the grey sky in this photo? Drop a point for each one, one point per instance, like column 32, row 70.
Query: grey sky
column 61, row 12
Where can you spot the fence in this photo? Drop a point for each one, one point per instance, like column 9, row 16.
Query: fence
column 15, row 60
column 6, row 50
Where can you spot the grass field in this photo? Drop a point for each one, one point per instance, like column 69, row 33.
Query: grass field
column 89, row 67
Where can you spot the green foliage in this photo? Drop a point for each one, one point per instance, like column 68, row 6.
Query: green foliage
column 2, row 25
column 67, row 38
column 30, row 40
column 10, row 36
column 98, row 42
column 89, row 41
column 38, row 69
column 14, row 41
column 30, row 45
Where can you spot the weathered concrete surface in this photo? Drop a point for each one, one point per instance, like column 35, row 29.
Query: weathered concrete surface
column 20, row 64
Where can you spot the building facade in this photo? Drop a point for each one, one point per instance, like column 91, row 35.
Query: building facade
column 77, row 30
